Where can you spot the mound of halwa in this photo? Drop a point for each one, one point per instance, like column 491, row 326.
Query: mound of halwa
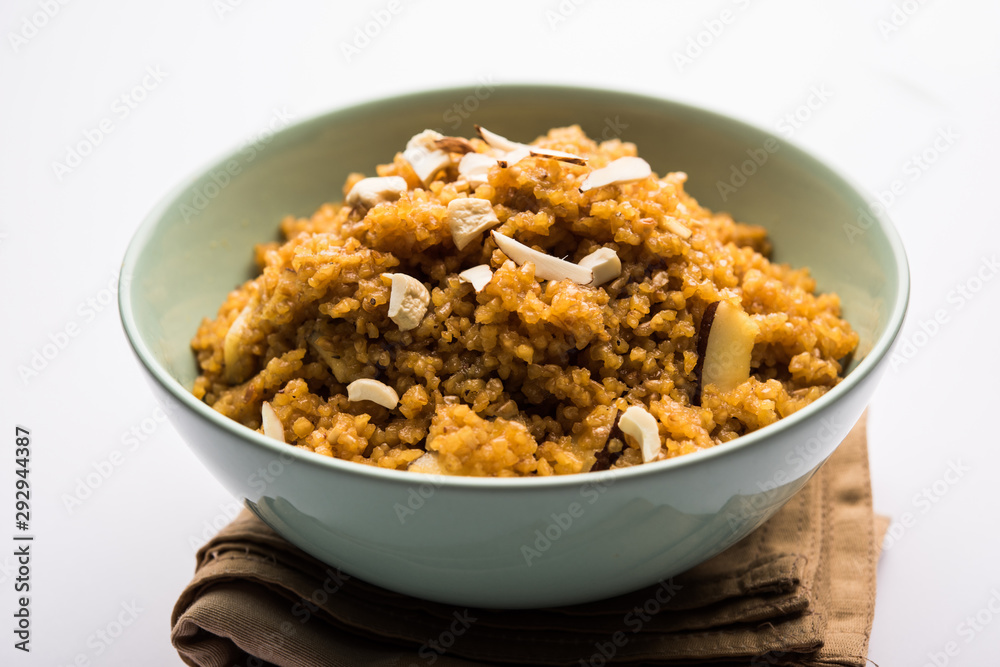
column 485, row 307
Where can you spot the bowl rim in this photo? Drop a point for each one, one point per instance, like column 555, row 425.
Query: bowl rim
column 178, row 392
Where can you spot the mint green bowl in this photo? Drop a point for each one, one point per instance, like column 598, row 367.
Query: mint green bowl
column 509, row 543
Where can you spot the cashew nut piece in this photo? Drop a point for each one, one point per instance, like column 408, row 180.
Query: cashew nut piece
column 366, row 389
column 605, row 264
column 468, row 217
column 368, row 192
column 479, row 276
column 407, row 301
column 424, row 156
column 642, row 426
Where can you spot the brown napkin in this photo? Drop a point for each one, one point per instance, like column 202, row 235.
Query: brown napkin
column 800, row 590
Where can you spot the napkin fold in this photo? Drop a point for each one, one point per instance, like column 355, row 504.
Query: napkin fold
column 798, row 591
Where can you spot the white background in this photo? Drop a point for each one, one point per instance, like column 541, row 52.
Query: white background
column 881, row 94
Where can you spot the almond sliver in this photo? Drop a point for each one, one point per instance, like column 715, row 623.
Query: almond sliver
column 455, row 145
column 511, row 158
column 622, row 170
column 547, row 267
column 677, row 228
column 562, row 156
column 497, row 141
column 270, row 423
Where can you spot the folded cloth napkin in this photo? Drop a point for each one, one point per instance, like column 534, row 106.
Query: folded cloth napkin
column 800, row 590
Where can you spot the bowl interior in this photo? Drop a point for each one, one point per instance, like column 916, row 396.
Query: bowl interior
column 196, row 245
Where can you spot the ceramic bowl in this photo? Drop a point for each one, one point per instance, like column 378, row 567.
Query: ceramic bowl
column 510, row 543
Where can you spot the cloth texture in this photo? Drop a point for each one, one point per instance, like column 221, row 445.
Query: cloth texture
column 800, row 590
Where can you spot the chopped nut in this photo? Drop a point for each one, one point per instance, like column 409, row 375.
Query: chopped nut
column 496, row 141
column 547, row 267
column 479, row 276
column 642, row 426
column 677, row 228
column 366, row 389
column 557, row 155
column 475, row 168
column 429, row 463
column 237, row 366
column 270, row 423
column 468, row 217
column 455, row 145
column 340, row 368
column 424, row 156
column 725, row 347
column 510, row 158
column 407, row 301
column 368, row 192
column 605, row 264
column 622, row 170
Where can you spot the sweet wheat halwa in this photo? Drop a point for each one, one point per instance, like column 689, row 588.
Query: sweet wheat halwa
column 392, row 330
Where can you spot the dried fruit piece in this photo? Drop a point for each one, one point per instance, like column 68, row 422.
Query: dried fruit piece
column 605, row 264
column 270, row 423
column 547, row 267
column 468, row 217
column 725, row 343
column 367, row 389
column 622, row 170
column 368, row 192
column 479, row 276
column 407, row 301
column 424, row 156
column 642, row 426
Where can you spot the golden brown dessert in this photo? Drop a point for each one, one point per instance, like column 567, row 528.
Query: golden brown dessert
column 484, row 307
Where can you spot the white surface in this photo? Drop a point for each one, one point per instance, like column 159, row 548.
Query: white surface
column 229, row 75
